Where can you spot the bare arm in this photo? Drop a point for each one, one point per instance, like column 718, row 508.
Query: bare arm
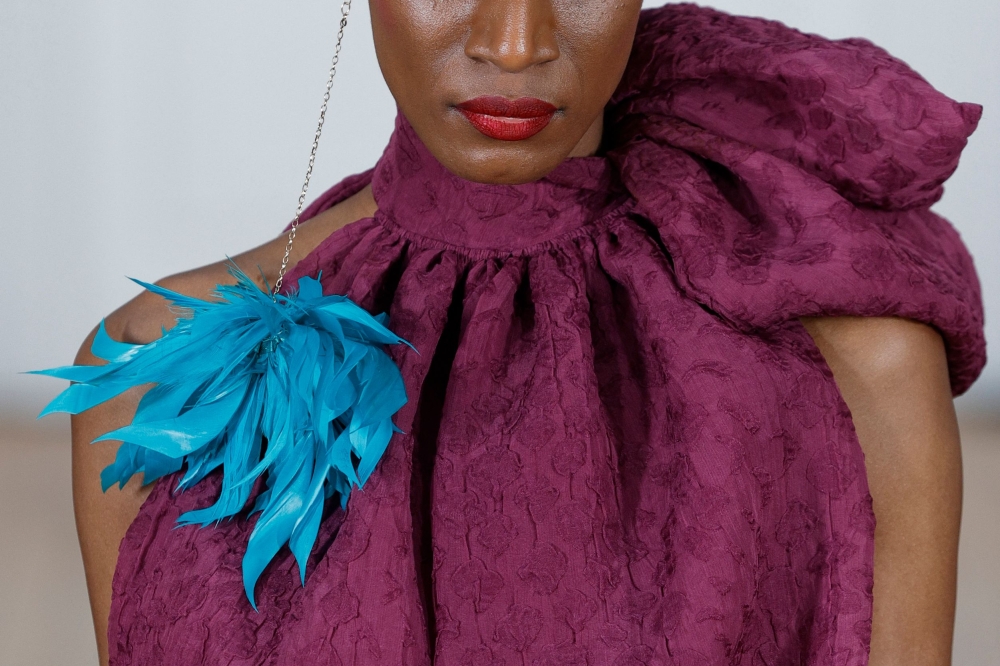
column 103, row 518
column 893, row 376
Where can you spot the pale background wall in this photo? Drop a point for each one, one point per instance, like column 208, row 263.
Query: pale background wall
column 143, row 138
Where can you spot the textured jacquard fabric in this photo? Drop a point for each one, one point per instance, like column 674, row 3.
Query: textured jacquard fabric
column 621, row 447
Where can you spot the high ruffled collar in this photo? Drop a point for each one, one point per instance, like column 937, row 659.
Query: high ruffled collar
column 417, row 194
column 844, row 112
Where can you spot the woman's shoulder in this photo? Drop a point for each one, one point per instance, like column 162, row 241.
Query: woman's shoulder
column 142, row 319
column 103, row 516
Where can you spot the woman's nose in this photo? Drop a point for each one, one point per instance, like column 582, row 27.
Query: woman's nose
column 513, row 34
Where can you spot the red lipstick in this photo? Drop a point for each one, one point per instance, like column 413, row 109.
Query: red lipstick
column 508, row 119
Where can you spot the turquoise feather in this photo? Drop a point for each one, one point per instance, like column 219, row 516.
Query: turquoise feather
column 306, row 373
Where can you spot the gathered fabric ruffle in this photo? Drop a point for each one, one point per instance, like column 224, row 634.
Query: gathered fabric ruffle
column 594, row 462
column 790, row 175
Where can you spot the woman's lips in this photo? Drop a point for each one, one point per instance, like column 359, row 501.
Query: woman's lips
column 508, row 119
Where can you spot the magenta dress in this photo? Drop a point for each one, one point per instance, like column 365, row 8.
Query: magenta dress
column 621, row 447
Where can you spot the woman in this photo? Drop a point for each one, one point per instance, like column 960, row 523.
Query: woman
column 688, row 332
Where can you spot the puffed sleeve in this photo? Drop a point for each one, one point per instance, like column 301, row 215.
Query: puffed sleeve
column 789, row 175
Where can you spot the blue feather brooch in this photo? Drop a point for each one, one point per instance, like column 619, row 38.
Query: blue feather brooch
column 298, row 387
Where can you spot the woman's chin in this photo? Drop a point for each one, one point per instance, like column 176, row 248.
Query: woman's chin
column 485, row 160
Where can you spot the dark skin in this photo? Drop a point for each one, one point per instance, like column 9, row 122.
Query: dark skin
column 892, row 372
column 570, row 53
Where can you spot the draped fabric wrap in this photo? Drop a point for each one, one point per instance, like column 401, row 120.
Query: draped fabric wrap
column 756, row 149
column 621, row 447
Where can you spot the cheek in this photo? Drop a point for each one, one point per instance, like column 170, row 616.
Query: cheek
column 414, row 29
column 600, row 37
column 396, row 42
column 383, row 16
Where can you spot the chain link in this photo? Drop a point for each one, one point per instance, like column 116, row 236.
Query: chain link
column 345, row 10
